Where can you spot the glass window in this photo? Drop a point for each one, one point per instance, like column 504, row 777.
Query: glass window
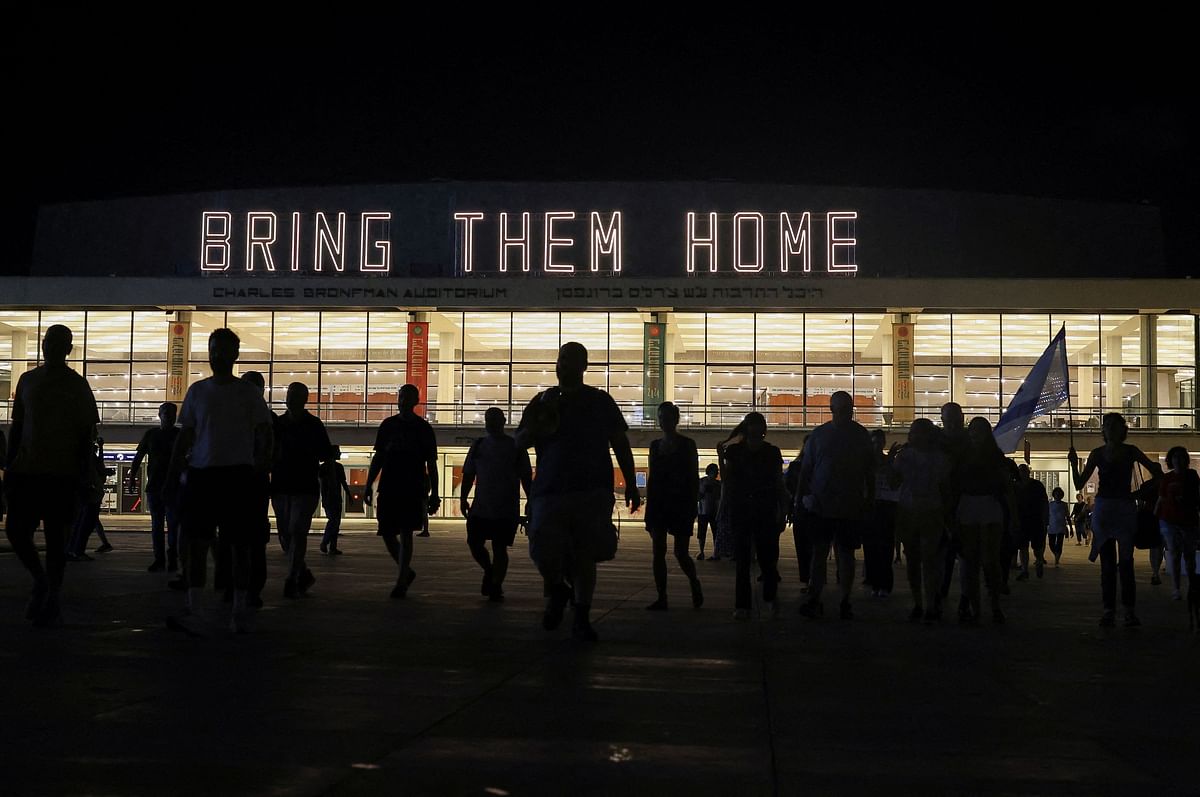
column 1176, row 340
column 686, row 388
column 387, row 336
column 931, row 389
column 203, row 325
column 1026, row 337
column 779, row 337
column 18, row 348
column 110, row 384
column 383, row 383
column 73, row 320
column 283, row 374
column 978, row 391
column 529, row 380
column 445, row 337
column 149, row 382
column 343, row 388
column 254, row 331
column 625, row 386
column 487, row 337
column 151, row 330
column 108, row 335
column 685, row 338
column 486, row 386
column 931, row 340
column 823, row 382
column 872, row 338
column 535, row 337
column 730, row 337
column 976, row 339
column 869, row 397
column 297, row 335
column 1083, row 337
column 344, row 336
column 730, row 393
column 626, row 335
column 828, row 337
column 590, row 329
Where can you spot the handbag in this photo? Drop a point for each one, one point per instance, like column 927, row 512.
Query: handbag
column 607, row 540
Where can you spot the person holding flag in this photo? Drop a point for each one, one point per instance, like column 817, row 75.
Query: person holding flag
column 1047, row 388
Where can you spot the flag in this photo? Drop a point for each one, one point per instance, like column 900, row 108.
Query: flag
column 1044, row 390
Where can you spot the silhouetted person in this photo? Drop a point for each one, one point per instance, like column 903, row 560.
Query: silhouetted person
column 1033, row 514
column 1056, row 531
column 753, row 476
column 953, row 442
column 706, row 507
column 260, row 495
column 225, row 441
column 723, row 542
column 984, row 487
column 87, row 516
column 802, row 519
column 301, row 445
column 672, row 492
column 3, row 461
column 879, row 534
column 53, row 426
column 1079, row 519
column 923, row 472
column 571, row 427
column 1179, row 523
column 406, row 453
column 156, row 445
column 1114, row 518
column 837, row 485
column 498, row 469
column 333, row 487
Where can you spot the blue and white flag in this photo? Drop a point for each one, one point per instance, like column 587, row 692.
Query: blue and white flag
column 1044, row 390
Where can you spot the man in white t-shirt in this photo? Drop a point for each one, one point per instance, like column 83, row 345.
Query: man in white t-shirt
column 225, row 434
column 499, row 469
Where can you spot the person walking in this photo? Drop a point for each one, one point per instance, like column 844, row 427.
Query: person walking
column 984, row 488
column 333, row 487
column 706, row 508
column 1033, row 518
column 1114, row 519
column 260, row 498
column 226, row 436
column 1059, row 514
column 156, row 445
column 1079, row 519
column 754, row 488
column 572, row 426
column 301, row 446
column 922, row 470
column 53, row 426
column 87, row 515
column 837, row 485
column 880, row 533
column 672, row 494
column 498, row 469
column 1178, row 511
column 802, row 520
column 406, row 464
column 953, row 442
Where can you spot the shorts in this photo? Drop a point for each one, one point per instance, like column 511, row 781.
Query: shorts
column 979, row 510
column 569, row 524
column 498, row 531
column 677, row 526
column 398, row 512
column 222, row 498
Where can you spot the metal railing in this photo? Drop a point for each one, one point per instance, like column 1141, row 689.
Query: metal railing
column 694, row 416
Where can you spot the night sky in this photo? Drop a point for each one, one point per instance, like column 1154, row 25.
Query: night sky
column 1012, row 102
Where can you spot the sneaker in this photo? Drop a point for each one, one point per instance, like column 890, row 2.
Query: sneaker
column 714, row 558
column 1108, row 619
column 771, row 608
column 307, row 579
column 105, row 548
column 697, row 595
column 336, row 551
column 1175, row 596
column 496, row 595
column 157, row 566
column 932, row 616
column 1131, row 620
column 582, row 631
column 1155, row 580
column 845, row 611
column 659, row 605
column 191, row 624
column 741, row 614
column 965, row 615
column 422, row 534
column 400, row 590
column 325, row 547
column 917, row 613
column 812, row 609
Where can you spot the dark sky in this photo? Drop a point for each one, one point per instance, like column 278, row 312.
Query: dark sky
column 1012, row 101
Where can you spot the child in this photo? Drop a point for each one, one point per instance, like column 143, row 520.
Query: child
column 1058, row 523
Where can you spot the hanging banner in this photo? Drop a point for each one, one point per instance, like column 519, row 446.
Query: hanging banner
column 417, row 371
column 903, row 401
column 654, row 388
column 179, row 346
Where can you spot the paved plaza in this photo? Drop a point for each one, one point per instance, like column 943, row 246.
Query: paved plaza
column 346, row 692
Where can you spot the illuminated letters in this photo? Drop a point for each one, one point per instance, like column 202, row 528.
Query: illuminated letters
column 295, row 255
column 794, row 241
column 756, row 222
column 260, row 241
column 382, row 244
column 521, row 242
column 468, row 240
column 606, row 241
column 548, row 264
column 837, row 242
column 326, row 241
column 695, row 242
column 215, row 250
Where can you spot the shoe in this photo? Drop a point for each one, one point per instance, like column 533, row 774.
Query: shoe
column 1040, row 568
column 105, row 548
column 771, row 608
column 324, row 547
column 845, row 611
column 1131, row 620
column 496, row 595
column 1175, row 596
column 700, row 556
column 485, row 587
column 36, row 600
column 583, row 632
column 697, row 595
column 884, row 594
column 1155, row 580
column 307, row 579
column 422, row 534
column 659, row 605
column 714, row 558
column 412, row 576
column 400, row 590
column 812, row 609
column 1108, row 619
column 239, row 623
column 290, row 590
column 917, row 613
column 50, row 614
column 179, row 583
column 556, row 602
column 157, row 566
column 965, row 615
column 741, row 614
column 1022, row 576
column 998, row 616
column 932, row 616
column 336, row 551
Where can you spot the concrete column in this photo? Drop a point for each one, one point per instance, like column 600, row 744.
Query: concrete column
column 1112, row 388
column 1149, row 386
column 1085, row 401
column 1167, row 395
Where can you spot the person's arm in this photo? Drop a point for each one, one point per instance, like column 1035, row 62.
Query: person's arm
column 179, row 452
column 372, row 475
column 869, row 477
column 1045, row 503
column 135, row 466
column 264, row 445
column 431, row 467
column 525, row 435
column 16, row 425
column 468, row 480
column 693, row 481
column 619, row 441
column 1143, row 460
column 1080, row 479
column 526, row 472
column 342, row 484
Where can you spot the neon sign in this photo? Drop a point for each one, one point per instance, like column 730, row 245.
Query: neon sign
column 556, row 242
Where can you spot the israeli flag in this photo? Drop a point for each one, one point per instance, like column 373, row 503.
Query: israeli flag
column 1044, row 390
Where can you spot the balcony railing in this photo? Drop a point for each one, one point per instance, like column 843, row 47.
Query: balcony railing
column 694, row 416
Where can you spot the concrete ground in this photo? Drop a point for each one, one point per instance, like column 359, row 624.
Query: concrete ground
column 346, row 692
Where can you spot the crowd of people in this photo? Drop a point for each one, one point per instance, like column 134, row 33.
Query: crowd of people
column 946, row 497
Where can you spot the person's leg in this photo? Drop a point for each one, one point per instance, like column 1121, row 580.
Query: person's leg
column 991, row 551
column 948, row 569
column 969, row 544
column 477, row 545
column 684, row 558
column 908, row 530
column 845, row 568
column 100, row 530
column 766, row 542
column 1023, row 560
column 701, row 533
column 1156, row 561
column 742, row 542
column 405, row 542
column 1128, row 584
column 1171, row 539
column 1108, row 578
column 658, row 565
column 499, row 562
column 1038, row 544
column 804, row 548
column 279, row 504
column 301, row 515
column 158, row 522
column 930, row 546
column 171, row 512
column 886, row 577
column 820, row 556
column 22, row 522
